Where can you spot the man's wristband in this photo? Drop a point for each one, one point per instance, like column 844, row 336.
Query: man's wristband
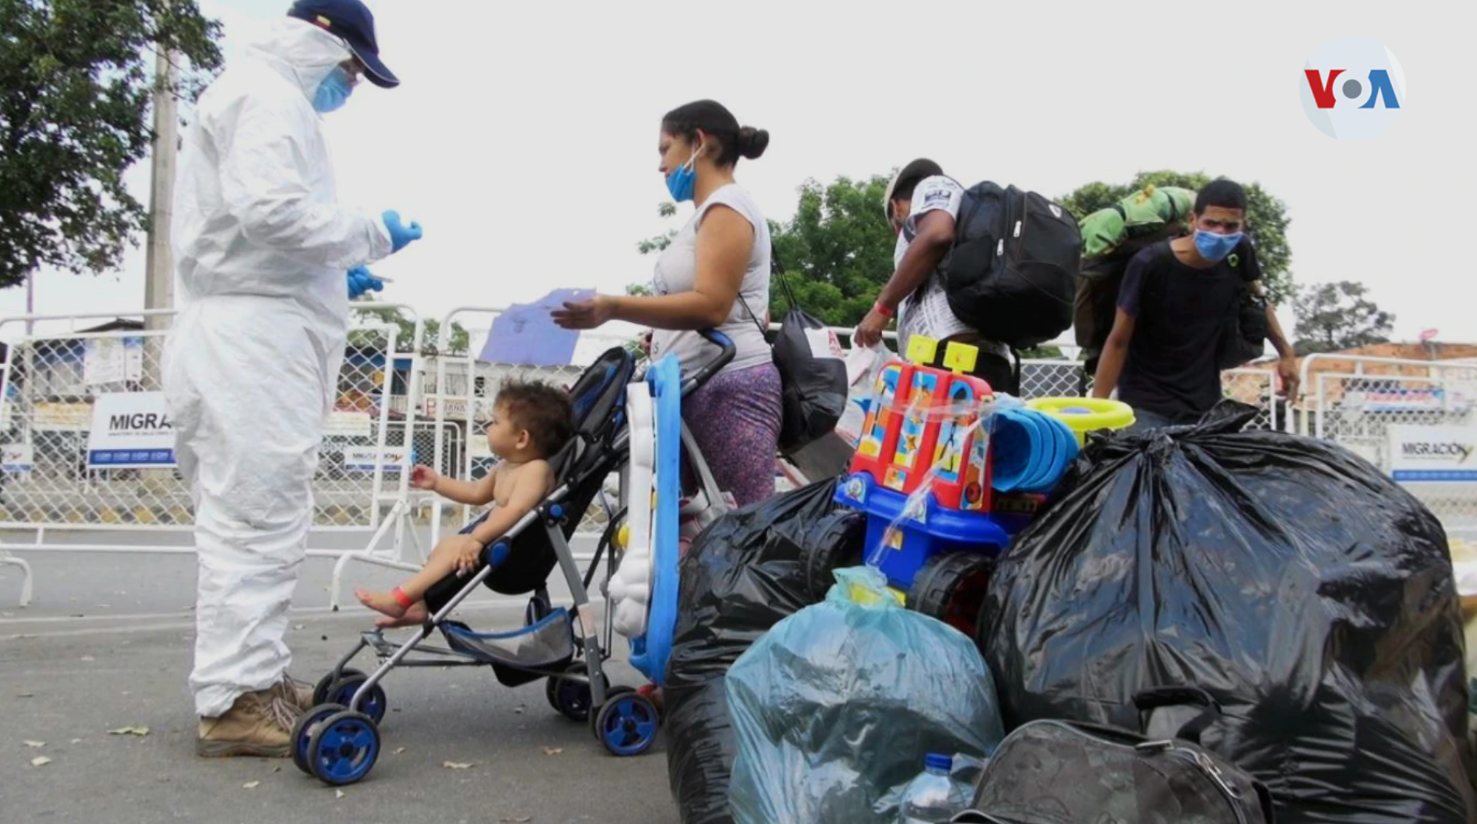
column 882, row 310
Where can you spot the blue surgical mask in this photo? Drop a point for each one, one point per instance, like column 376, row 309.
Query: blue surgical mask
column 333, row 92
column 1214, row 247
column 680, row 181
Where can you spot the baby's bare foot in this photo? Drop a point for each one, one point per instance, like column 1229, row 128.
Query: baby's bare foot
column 382, row 602
column 413, row 617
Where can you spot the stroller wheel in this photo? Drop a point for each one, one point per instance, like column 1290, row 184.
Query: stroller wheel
column 320, row 692
column 572, row 698
column 627, row 724
column 303, row 730
column 343, row 748
column 610, row 695
column 344, row 690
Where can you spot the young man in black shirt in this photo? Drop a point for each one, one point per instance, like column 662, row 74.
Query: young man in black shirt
column 1173, row 307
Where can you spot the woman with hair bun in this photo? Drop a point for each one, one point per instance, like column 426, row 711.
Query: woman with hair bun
column 715, row 274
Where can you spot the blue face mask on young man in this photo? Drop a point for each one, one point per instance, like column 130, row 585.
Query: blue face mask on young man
column 1214, row 247
column 333, row 92
column 680, row 181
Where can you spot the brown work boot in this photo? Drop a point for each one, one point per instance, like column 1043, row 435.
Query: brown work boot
column 298, row 694
column 258, row 724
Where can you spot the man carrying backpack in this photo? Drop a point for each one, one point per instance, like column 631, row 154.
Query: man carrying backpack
column 1177, row 297
column 922, row 206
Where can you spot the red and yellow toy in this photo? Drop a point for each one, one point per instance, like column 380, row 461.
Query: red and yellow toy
column 923, row 420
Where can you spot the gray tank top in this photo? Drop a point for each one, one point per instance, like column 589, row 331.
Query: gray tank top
column 676, row 271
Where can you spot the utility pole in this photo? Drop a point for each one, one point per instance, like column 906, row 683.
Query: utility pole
column 159, row 270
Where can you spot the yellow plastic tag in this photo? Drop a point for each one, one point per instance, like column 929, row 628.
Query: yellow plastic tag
column 922, row 350
column 961, row 357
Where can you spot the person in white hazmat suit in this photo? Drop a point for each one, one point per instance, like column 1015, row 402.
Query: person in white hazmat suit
column 267, row 262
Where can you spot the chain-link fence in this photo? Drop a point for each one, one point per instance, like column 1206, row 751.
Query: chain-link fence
column 1065, row 378
column 1415, row 420
column 83, row 423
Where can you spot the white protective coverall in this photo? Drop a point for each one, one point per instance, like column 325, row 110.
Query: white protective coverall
column 252, row 362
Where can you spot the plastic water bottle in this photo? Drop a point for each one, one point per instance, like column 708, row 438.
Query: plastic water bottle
column 932, row 798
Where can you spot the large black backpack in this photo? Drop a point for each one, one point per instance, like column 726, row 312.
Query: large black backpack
column 1012, row 272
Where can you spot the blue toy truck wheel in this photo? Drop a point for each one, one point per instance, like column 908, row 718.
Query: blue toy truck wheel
column 572, row 698
column 627, row 724
column 952, row 588
column 303, row 730
column 320, row 691
column 827, row 556
column 343, row 748
column 374, row 704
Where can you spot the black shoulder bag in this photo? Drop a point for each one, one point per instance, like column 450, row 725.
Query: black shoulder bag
column 813, row 387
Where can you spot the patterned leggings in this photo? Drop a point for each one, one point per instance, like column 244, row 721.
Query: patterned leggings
column 735, row 419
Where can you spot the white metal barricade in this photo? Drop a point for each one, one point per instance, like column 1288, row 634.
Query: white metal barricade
column 1413, row 419
column 53, row 382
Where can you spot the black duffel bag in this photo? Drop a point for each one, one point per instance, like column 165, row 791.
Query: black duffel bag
column 1066, row 772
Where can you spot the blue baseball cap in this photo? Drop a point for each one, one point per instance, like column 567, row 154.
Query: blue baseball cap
column 350, row 20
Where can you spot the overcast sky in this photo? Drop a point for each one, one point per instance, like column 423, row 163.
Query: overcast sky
column 524, row 135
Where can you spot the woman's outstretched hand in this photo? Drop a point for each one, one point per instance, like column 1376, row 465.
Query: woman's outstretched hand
column 585, row 314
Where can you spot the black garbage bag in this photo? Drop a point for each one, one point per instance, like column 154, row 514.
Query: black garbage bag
column 741, row 576
column 1308, row 593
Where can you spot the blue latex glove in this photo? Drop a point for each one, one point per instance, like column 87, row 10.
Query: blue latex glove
column 400, row 234
column 361, row 281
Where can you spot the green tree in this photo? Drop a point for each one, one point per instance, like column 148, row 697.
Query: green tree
column 836, row 251
column 1266, row 219
column 654, row 245
column 1043, row 353
column 662, row 241
column 1332, row 317
column 75, row 84
column 405, row 334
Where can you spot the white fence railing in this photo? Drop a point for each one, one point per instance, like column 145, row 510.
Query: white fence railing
column 52, row 383
column 391, row 395
column 1415, row 420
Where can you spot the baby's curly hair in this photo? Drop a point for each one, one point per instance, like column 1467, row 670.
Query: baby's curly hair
column 541, row 409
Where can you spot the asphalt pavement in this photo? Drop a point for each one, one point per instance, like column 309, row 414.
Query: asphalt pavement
column 106, row 646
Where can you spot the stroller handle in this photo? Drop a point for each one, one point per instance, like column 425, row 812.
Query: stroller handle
column 711, row 368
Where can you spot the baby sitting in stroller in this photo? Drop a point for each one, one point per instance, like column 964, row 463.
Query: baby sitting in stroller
column 530, row 422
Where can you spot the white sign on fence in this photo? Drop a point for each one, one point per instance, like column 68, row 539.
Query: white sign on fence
column 130, row 431
column 1406, row 399
column 365, row 458
column 112, row 360
column 342, row 423
column 1433, row 453
column 17, row 457
column 61, row 417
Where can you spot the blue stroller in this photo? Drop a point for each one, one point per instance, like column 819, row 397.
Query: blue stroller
column 338, row 740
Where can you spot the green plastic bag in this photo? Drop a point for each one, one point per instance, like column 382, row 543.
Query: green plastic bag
column 1148, row 211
